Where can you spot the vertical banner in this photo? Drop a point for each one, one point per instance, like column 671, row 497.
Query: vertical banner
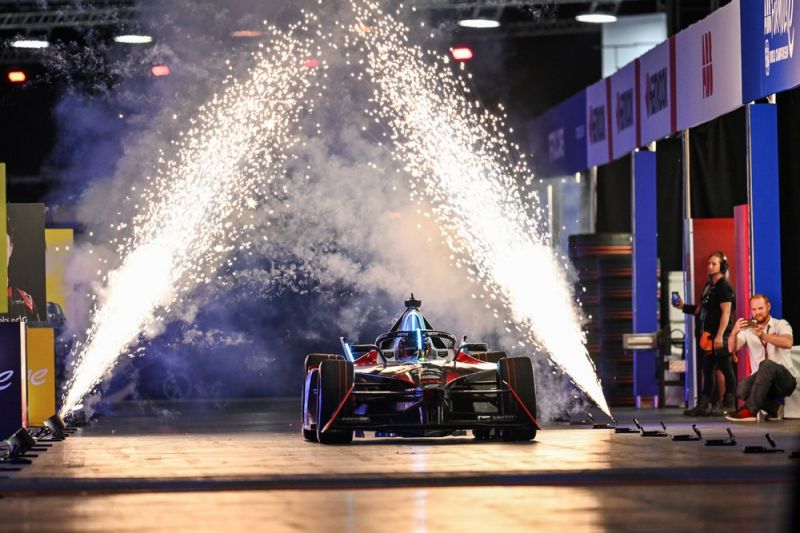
column 597, row 132
column 3, row 242
column 709, row 75
column 623, row 110
column 27, row 294
column 13, row 385
column 41, row 375
column 59, row 242
column 656, row 99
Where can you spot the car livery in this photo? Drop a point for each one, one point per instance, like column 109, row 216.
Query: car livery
column 415, row 382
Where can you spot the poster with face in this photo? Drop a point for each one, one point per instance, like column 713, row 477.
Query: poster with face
column 25, row 258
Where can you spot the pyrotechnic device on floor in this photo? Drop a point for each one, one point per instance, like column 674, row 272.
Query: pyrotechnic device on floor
column 730, row 441
column 57, row 427
column 763, row 449
column 684, row 438
column 19, row 444
column 651, row 432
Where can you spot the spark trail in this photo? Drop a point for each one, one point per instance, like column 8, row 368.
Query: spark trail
column 189, row 219
column 461, row 162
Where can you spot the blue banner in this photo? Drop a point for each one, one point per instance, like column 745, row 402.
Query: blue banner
column 768, row 61
column 558, row 138
column 12, row 378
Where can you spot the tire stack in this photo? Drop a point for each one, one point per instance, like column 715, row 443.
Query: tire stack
column 604, row 264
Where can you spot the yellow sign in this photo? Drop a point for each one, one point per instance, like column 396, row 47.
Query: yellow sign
column 41, row 375
column 59, row 245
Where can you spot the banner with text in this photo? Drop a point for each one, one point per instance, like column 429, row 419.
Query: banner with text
column 768, row 61
column 709, row 74
column 13, row 386
column 624, row 120
column 41, row 375
column 598, row 134
column 657, row 92
column 558, row 138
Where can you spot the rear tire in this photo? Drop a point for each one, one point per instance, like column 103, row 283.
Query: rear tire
column 518, row 373
column 335, row 380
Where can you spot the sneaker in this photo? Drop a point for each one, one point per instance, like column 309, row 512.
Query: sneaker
column 742, row 415
column 773, row 412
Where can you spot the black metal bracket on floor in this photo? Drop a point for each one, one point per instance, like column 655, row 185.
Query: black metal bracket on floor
column 599, row 425
column 650, row 432
column 762, row 449
column 730, row 441
column 689, row 438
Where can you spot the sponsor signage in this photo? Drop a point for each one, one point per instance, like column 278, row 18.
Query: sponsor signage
column 558, row 138
column 623, row 110
column 709, row 74
column 657, row 112
column 770, row 63
column 41, row 375
column 598, row 125
column 12, row 378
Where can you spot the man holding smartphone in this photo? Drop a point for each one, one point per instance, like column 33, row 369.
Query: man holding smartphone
column 773, row 376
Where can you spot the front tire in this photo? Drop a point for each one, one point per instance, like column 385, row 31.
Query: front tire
column 335, row 380
column 517, row 372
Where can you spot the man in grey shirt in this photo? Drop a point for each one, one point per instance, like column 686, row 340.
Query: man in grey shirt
column 773, row 376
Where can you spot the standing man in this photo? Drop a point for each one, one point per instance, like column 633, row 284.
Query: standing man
column 714, row 325
column 773, row 376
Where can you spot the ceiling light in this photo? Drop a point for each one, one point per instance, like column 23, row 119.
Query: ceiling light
column 246, row 34
column 160, row 70
column 17, row 76
column 133, row 38
column 461, row 53
column 30, row 43
column 596, row 18
column 478, row 23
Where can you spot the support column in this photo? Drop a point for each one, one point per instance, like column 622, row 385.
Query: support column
column 689, row 348
column 645, row 272
column 763, row 199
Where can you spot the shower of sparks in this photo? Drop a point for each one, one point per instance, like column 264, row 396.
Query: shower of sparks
column 461, row 162
column 190, row 219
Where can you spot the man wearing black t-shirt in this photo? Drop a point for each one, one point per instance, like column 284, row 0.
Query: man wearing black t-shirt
column 714, row 324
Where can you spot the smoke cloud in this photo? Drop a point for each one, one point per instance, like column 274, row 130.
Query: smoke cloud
column 333, row 250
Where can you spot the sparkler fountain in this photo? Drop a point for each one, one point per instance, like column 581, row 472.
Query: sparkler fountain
column 187, row 225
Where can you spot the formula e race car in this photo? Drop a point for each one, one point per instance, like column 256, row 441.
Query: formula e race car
column 415, row 382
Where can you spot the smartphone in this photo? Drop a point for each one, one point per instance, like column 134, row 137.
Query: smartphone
column 675, row 298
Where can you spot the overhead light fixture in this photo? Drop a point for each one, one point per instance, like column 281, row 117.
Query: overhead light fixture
column 596, row 18
column 461, row 53
column 160, row 70
column 17, row 76
column 246, row 34
column 30, row 43
column 479, row 23
column 133, row 38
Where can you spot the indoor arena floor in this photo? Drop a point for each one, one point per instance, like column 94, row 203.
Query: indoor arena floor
column 242, row 466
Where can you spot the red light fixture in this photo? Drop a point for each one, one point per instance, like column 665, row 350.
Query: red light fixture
column 17, row 76
column 160, row 70
column 461, row 53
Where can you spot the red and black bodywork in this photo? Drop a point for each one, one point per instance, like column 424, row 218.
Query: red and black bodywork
column 415, row 382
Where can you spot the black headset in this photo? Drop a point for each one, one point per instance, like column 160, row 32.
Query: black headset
column 723, row 262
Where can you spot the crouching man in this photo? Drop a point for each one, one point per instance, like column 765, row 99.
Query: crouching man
column 772, row 375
